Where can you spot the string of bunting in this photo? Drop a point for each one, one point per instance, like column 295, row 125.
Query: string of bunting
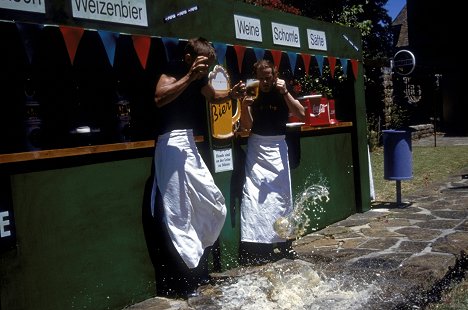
column 142, row 44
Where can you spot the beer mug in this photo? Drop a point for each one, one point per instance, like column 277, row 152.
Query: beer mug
column 222, row 119
column 251, row 88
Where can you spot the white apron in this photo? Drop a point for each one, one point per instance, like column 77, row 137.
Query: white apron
column 267, row 191
column 194, row 206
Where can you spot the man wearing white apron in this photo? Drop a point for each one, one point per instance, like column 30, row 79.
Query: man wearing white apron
column 267, row 193
column 185, row 200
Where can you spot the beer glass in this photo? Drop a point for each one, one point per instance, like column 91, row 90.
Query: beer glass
column 251, row 88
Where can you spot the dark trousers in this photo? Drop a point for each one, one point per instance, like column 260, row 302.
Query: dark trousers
column 252, row 253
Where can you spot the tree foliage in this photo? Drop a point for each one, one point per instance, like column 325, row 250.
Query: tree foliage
column 275, row 5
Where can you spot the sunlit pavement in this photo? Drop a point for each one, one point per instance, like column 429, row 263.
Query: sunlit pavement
column 441, row 140
column 409, row 251
column 391, row 257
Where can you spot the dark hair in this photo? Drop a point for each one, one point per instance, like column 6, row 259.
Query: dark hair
column 262, row 64
column 200, row 46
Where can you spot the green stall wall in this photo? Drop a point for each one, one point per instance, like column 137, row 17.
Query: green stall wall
column 327, row 161
column 80, row 240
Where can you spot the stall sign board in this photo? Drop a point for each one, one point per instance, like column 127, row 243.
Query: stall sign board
column 7, row 223
column 285, row 35
column 35, row 6
column 248, row 28
column 317, row 40
column 115, row 11
column 223, row 160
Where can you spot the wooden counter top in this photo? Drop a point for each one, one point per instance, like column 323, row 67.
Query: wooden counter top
column 337, row 125
column 106, row 148
column 305, row 128
column 77, row 151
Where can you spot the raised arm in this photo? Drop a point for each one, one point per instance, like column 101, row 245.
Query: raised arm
column 294, row 106
column 246, row 119
column 168, row 88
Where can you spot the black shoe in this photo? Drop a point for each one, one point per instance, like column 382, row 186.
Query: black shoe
column 205, row 280
column 163, row 290
column 191, row 294
column 291, row 254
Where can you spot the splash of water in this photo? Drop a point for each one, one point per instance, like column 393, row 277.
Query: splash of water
column 297, row 223
column 293, row 286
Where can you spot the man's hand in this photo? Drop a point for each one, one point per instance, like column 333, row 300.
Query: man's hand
column 199, row 68
column 247, row 101
column 237, row 91
column 281, row 86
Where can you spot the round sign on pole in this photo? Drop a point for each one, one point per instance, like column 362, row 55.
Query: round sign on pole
column 404, row 62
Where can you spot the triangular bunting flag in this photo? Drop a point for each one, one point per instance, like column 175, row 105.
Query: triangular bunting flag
column 171, row 46
column 259, row 53
column 331, row 64
column 354, row 65
column 109, row 39
column 292, row 61
column 320, row 62
column 72, row 37
column 142, row 46
column 30, row 34
column 344, row 66
column 276, row 57
column 306, row 59
column 220, row 49
column 240, row 51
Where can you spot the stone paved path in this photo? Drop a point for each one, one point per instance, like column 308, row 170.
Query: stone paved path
column 414, row 248
column 409, row 252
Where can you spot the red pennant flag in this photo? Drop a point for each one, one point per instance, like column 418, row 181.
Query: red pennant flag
column 332, row 64
column 306, row 59
column 354, row 64
column 240, row 51
column 72, row 37
column 276, row 57
column 142, row 45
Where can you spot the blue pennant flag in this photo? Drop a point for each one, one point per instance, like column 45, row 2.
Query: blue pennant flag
column 344, row 65
column 220, row 49
column 320, row 62
column 171, row 46
column 292, row 61
column 259, row 53
column 109, row 39
column 30, row 34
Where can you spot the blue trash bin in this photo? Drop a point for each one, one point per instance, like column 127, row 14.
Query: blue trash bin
column 398, row 163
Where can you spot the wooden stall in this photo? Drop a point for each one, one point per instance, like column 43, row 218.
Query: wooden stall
column 77, row 136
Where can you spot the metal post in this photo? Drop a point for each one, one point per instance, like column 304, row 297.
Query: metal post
column 437, row 88
column 398, row 193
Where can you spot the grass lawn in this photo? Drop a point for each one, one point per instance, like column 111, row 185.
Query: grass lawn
column 430, row 165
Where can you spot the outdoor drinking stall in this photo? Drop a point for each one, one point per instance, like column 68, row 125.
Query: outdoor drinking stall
column 77, row 135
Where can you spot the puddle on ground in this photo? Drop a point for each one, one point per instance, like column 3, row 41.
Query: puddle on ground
column 285, row 285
